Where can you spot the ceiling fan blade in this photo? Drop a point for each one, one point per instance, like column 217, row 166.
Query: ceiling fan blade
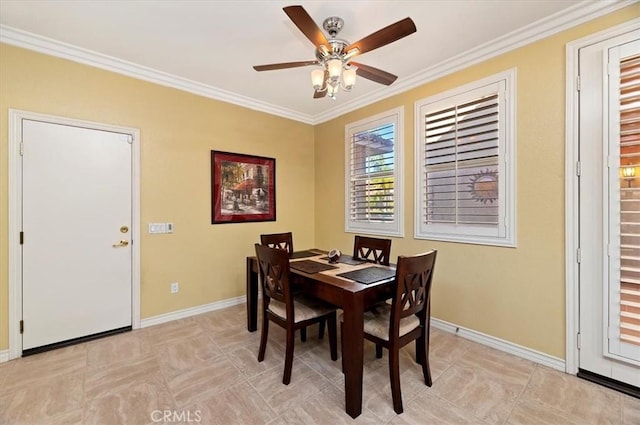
column 303, row 21
column 385, row 36
column 374, row 74
column 319, row 94
column 284, row 65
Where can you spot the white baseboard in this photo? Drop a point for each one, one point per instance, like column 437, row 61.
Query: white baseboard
column 187, row 312
column 4, row 356
column 501, row 344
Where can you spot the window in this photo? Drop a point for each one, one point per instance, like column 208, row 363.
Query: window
column 465, row 174
column 373, row 192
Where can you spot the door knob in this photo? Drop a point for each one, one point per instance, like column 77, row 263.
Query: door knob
column 122, row 243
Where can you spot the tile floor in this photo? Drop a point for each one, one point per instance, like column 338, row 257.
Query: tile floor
column 204, row 370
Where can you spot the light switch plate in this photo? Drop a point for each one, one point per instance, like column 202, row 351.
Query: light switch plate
column 157, row 228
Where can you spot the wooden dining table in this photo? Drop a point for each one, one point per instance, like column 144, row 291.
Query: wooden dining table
column 351, row 296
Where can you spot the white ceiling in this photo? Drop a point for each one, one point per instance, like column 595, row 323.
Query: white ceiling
column 209, row 47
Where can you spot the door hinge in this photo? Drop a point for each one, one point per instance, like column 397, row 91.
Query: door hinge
column 578, row 83
column 578, row 255
column 21, row 148
column 22, row 326
column 578, row 168
column 21, row 238
column 578, row 341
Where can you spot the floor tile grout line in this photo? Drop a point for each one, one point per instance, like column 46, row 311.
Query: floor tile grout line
column 519, row 397
column 263, row 398
column 164, row 378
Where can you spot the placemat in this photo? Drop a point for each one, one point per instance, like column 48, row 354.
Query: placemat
column 310, row 266
column 347, row 259
column 369, row 274
column 303, row 254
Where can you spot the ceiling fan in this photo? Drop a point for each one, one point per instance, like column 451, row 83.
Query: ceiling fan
column 335, row 55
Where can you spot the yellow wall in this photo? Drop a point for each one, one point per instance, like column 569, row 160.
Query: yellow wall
column 517, row 294
column 178, row 130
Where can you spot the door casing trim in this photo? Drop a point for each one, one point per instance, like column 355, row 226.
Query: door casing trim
column 571, row 186
column 15, row 213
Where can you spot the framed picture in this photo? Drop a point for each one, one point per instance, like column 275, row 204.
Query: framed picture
column 243, row 188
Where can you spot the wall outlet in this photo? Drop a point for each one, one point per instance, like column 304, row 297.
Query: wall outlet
column 175, row 287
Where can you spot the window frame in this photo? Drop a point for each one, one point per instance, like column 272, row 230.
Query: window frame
column 396, row 227
column 468, row 233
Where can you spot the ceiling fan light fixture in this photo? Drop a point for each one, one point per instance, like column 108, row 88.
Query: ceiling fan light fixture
column 334, row 66
column 349, row 78
column 332, row 90
column 317, row 78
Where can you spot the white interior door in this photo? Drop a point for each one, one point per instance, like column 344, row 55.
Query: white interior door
column 609, row 269
column 76, row 221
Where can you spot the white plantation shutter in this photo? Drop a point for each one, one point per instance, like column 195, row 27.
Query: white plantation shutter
column 629, row 92
column 461, row 154
column 373, row 183
column 372, row 175
column 464, row 164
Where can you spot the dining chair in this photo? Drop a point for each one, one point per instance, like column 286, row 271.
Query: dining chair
column 284, row 241
column 406, row 319
column 280, row 306
column 278, row 240
column 375, row 250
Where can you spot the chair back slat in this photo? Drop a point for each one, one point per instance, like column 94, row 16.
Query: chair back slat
column 282, row 241
column 413, row 288
column 375, row 250
column 274, row 275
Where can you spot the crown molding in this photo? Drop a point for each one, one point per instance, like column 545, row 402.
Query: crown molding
column 560, row 21
column 573, row 16
column 59, row 49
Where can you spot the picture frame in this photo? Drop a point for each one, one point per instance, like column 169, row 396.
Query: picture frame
column 243, row 188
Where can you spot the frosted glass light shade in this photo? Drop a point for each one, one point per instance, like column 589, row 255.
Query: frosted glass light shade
column 334, row 67
column 349, row 78
column 317, row 78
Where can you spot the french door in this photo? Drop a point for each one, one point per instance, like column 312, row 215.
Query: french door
column 609, row 202
column 624, row 199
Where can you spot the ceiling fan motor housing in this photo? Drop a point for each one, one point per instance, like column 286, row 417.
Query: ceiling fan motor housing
column 336, row 50
column 333, row 25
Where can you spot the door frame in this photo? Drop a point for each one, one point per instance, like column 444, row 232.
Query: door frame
column 15, row 215
column 572, row 206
